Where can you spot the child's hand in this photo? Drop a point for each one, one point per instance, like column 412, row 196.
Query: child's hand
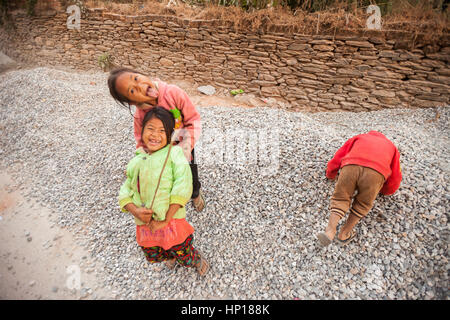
column 156, row 225
column 144, row 214
column 328, row 175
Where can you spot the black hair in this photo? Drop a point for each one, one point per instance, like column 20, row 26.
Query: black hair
column 119, row 98
column 166, row 118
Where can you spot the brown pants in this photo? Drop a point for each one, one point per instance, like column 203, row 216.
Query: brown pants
column 367, row 181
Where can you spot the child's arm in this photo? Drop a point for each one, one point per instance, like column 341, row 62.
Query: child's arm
column 143, row 214
column 173, row 208
column 393, row 182
column 126, row 194
column 138, row 119
column 335, row 163
column 182, row 186
column 191, row 117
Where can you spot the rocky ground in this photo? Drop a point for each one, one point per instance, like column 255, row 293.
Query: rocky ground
column 64, row 145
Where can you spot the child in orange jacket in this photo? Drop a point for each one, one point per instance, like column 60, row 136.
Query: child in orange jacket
column 369, row 163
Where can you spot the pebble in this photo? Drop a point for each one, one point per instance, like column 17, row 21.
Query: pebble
column 354, row 271
column 262, row 174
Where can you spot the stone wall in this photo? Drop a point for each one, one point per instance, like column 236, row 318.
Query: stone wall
column 356, row 71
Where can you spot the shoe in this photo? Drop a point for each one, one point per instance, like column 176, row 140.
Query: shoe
column 203, row 266
column 349, row 239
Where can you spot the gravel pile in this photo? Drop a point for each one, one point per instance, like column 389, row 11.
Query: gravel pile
column 63, row 134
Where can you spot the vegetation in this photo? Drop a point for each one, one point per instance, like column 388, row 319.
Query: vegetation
column 105, row 61
column 429, row 17
column 30, row 7
column 5, row 17
column 386, row 6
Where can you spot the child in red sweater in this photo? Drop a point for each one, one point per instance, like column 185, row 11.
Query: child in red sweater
column 131, row 87
column 369, row 163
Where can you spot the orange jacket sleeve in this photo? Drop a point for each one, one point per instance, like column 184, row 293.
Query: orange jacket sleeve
column 334, row 164
column 393, row 182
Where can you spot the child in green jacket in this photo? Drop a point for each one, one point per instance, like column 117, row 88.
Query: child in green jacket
column 158, row 186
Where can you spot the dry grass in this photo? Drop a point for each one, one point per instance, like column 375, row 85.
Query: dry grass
column 403, row 17
column 144, row 7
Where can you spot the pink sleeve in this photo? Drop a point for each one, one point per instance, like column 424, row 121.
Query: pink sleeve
column 191, row 117
column 335, row 163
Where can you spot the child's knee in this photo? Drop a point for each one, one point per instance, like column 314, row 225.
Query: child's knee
column 361, row 206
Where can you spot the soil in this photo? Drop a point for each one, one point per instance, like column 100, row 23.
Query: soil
column 39, row 262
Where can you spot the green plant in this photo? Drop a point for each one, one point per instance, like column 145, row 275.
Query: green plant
column 105, row 61
column 236, row 92
column 3, row 11
column 30, row 7
column 6, row 20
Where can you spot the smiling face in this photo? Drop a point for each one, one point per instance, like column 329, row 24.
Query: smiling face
column 138, row 89
column 154, row 135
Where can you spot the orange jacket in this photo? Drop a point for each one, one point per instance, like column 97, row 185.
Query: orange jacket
column 372, row 150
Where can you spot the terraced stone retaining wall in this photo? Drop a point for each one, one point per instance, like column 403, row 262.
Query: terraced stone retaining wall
column 355, row 71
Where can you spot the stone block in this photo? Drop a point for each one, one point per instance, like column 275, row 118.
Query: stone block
column 383, row 93
column 360, row 44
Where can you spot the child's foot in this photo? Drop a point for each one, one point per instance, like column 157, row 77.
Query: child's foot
column 171, row 263
column 199, row 202
column 346, row 237
column 323, row 238
column 202, row 266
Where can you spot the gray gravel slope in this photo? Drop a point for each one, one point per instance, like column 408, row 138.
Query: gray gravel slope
column 63, row 133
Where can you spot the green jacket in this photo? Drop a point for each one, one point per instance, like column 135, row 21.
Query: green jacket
column 175, row 185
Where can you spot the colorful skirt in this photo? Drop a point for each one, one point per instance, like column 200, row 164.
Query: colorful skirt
column 184, row 253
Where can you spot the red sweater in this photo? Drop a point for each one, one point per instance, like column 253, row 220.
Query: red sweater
column 372, row 150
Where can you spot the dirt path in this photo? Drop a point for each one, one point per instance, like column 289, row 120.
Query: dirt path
column 38, row 259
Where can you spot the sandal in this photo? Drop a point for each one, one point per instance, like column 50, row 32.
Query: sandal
column 202, row 265
column 323, row 239
column 349, row 239
column 199, row 202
